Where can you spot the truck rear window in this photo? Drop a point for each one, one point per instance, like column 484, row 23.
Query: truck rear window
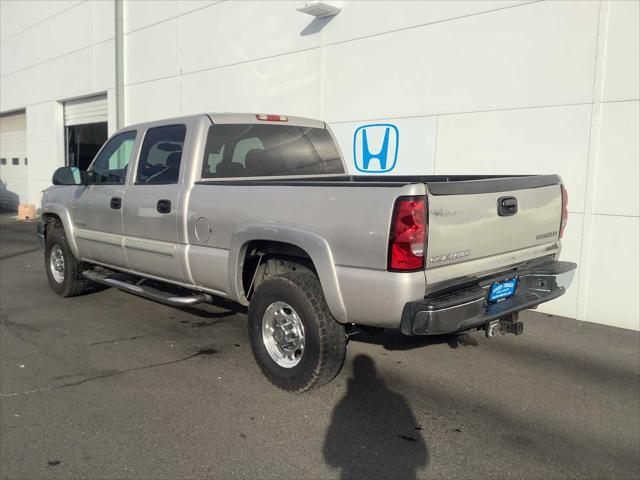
column 242, row 150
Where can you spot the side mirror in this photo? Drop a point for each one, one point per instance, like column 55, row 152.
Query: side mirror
column 70, row 176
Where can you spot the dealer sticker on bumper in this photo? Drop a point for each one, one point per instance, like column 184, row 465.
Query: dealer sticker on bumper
column 504, row 289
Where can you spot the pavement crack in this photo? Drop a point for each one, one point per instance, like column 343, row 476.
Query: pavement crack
column 17, row 254
column 11, row 327
column 118, row 340
column 206, row 351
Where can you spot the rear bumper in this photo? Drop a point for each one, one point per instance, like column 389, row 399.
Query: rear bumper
column 467, row 308
column 40, row 234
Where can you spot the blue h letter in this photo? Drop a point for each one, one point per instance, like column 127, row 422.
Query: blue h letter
column 367, row 156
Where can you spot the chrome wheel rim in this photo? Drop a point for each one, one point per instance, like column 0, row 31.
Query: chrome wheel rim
column 283, row 334
column 56, row 263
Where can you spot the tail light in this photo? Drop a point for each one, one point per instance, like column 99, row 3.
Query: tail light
column 565, row 213
column 408, row 236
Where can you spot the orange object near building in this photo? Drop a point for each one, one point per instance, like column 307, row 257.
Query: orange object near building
column 26, row 211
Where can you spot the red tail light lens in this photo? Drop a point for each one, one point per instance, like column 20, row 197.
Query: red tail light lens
column 408, row 236
column 565, row 213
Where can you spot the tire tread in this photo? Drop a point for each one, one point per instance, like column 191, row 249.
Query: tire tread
column 74, row 283
column 331, row 334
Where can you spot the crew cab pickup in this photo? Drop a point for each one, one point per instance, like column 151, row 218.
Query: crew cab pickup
column 259, row 209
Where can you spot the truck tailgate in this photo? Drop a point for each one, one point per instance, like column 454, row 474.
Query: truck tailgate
column 478, row 226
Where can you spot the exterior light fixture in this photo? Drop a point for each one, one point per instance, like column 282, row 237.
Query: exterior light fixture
column 319, row 9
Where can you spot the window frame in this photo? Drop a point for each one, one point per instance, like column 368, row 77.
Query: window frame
column 134, row 179
column 202, row 179
column 132, row 159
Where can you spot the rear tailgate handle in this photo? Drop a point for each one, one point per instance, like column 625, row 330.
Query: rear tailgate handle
column 507, row 206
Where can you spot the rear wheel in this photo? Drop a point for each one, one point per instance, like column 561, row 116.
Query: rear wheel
column 296, row 341
column 64, row 271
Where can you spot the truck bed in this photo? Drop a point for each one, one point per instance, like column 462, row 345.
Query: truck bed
column 447, row 184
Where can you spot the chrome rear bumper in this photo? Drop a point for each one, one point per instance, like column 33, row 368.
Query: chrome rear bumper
column 468, row 308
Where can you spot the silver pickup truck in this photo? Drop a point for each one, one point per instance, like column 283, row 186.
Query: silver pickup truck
column 258, row 209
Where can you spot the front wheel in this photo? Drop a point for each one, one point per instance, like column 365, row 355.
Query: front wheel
column 295, row 340
column 64, row 271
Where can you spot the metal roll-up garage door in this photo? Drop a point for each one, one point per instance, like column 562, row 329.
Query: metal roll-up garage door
column 85, row 110
column 85, row 121
column 13, row 160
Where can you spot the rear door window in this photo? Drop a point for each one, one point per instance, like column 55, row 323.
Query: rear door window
column 244, row 150
column 161, row 155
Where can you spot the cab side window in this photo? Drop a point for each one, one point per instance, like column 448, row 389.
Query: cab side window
column 161, row 155
column 110, row 166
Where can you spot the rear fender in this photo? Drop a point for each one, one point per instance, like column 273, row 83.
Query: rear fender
column 313, row 244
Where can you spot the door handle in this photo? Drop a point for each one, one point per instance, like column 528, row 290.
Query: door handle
column 507, row 206
column 164, row 206
column 115, row 203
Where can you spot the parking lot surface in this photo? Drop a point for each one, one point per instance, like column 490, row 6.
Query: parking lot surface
column 109, row 385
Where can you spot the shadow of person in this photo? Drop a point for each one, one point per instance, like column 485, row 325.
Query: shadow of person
column 373, row 433
column 392, row 339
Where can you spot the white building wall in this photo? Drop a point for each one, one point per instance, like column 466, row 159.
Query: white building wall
column 476, row 87
column 52, row 51
column 609, row 286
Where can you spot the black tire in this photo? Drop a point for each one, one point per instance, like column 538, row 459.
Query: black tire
column 73, row 283
column 325, row 339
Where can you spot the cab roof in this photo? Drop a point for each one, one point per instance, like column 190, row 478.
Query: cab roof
column 253, row 118
column 242, row 118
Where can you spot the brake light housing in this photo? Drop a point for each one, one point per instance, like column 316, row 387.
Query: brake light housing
column 564, row 218
column 408, row 235
column 269, row 117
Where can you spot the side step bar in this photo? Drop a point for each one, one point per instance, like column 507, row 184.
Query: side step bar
column 120, row 282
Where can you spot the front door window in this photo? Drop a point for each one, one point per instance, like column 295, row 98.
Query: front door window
column 110, row 166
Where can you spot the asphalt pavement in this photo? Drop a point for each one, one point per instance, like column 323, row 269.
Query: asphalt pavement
column 109, row 385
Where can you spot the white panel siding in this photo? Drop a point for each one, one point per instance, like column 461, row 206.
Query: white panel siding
column 153, row 100
column 104, row 76
column 143, row 13
column 286, row 84
column 280, row 32
column 613, row 284
column 103, row 18
column 60, row 37
column 20, row 15
column 618, row 173
column 152, row 53
column 45, row 148
column 17, row 89
column 17, row 52
column 531, row 55
column 191, row 5
column 67, row 76
column 623, row 51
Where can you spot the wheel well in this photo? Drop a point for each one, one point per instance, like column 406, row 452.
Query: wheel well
column 266, row 258
column 51, row 220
